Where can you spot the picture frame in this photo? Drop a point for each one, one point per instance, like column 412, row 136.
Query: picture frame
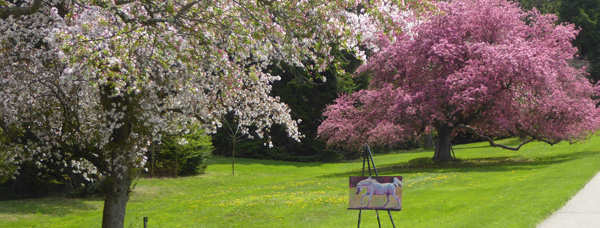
column 375, row 193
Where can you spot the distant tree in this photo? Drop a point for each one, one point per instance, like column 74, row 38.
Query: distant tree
column 233, row 131
column 180, row 155
column 544, row 6
column 307, row 94
column 483, row 66
column 585, row 14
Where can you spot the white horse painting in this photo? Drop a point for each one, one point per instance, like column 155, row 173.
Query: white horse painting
column 375, row 188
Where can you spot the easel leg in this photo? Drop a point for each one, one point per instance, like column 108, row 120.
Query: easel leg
column 364, row 160
column 378, row 221
column 369, row 166
column 369, row 157
column 373, row 162
column 359, row 212
column 391, row 219
column 368, row 160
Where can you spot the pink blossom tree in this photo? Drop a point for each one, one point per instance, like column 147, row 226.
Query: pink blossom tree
column 483, row 66
column 89, row 84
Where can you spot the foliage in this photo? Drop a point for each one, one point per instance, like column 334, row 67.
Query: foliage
column 488, row 187
column 181, row 155
column 482, row 66
column 5, row 166
column 585, row 14
column 34, row 182
column 544, row 6
column 307, row 94
column 29, row 183
column 37, row 179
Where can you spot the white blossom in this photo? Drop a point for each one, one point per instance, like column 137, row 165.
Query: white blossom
column 69, row 82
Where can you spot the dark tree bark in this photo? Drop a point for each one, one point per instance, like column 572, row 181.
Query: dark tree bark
column 119, row 175
column 428, row 141
column 116, row 198
column 233, row 158
column 19, row 11
column 443, row 144
column 525, row 140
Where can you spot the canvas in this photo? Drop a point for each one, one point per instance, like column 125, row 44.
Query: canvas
column 375, row 193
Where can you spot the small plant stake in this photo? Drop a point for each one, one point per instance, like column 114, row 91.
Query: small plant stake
column 375, row 189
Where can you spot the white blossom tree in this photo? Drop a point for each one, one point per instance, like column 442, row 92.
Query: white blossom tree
column 88, row 84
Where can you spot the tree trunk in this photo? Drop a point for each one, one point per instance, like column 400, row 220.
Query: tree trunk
column 428, row 141
column 443, row 144
column 118, row 177
column 153, row 149
column 233, row 158
column 116, row 198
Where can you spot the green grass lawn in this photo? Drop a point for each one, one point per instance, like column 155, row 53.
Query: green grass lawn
column 489, row 187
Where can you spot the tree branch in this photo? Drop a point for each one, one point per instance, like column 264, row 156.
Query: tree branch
column 4, row 128
column 491, row 141
column 551, row 143
column 89, row 153
column 185, row 9
column 20, row 11
column 122, row 2
column 152, row 21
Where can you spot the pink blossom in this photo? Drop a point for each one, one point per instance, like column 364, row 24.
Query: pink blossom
column 484, row 65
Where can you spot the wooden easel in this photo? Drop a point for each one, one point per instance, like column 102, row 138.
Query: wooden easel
column 368, row 160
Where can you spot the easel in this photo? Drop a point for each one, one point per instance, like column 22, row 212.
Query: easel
column 368, row 159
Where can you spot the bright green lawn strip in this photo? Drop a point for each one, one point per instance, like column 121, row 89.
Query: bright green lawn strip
column 488, row 187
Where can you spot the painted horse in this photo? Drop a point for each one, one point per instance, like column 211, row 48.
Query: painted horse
column 375, row 188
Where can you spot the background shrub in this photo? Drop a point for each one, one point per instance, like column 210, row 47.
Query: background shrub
column 180, row 155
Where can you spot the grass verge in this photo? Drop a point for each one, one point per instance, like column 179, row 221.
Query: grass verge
column 487, row 187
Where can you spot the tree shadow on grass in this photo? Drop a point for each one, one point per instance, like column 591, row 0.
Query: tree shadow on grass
column 54, row 206
column 494, row 164
column 486, row 145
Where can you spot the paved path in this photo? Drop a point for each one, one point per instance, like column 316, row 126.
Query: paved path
column 583, row 210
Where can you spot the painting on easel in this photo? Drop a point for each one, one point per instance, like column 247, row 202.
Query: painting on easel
column 375, row 193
